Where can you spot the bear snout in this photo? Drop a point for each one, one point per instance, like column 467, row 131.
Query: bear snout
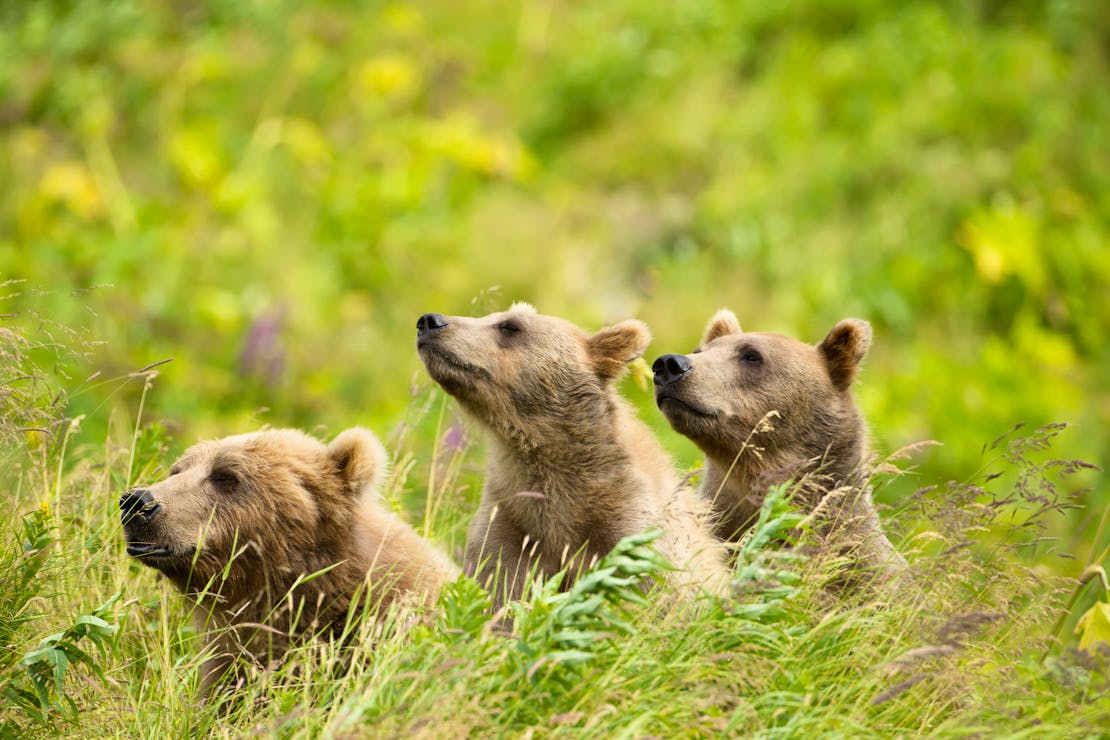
column 138, row 506
column 429, row 323
column 670, row 369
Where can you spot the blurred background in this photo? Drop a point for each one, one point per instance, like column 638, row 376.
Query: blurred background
column 270, row 193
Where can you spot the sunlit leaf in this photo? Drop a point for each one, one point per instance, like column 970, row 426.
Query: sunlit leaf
column 1003, row 241
column 641, row 373
column 1093, row 627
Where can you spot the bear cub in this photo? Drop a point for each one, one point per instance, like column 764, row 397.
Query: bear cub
column 570, row 469
column 765, row 408
column 242, row 521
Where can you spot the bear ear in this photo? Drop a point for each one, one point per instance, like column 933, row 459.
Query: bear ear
column 522, row 307
column 843, row 350
column 360, row 459
column 722, row 324
column 615, row 346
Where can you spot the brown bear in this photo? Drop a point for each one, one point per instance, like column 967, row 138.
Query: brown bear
column 765, row 408
column 571, row 470
column 241, row 523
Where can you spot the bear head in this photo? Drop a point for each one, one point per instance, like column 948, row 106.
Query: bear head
column 253, row 511
column 789, row 400
column 521, row 373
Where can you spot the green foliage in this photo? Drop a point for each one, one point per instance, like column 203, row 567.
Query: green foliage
column 23, row 563
column 46, row 666
column 270, row 193
column 766, row 574
column 35, row 546
column 465, row 609
column 562, row 632
column 36, row 683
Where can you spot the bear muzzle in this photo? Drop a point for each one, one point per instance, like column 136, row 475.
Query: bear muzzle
column 677, row 402
column 429, row 323
column 670, row 369
column 137, row 510
column 138, row 506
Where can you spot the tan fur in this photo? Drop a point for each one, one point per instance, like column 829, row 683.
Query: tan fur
column 765, row 408
column 243, row 519
column 570, row 467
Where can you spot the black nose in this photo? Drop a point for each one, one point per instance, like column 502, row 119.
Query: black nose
column 670, row 368
column 138, row 504
column 430, row 322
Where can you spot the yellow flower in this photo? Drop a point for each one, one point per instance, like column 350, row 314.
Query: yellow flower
column 389, row 75
column 72, row 184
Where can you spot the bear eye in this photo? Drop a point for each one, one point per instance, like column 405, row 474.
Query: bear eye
column 224, row 480
column 751, row 357
column 509, row 328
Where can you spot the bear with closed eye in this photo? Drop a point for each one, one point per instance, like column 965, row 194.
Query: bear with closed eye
column 765, row 408
column 571, row 470
column 242, row 522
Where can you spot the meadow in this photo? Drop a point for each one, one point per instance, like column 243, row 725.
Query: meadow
column 223, row 215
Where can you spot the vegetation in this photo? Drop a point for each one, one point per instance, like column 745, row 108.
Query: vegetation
column 219, row 215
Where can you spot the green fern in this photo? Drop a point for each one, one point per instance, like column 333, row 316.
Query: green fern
column 767, row 575
column 558, row 632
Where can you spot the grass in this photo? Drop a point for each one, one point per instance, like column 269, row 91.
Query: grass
column 92, row 644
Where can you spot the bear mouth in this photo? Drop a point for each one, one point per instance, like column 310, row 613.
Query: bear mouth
column 447, row 357
column 163, row 557
column 454, row 374
column 148, row 551
column 669, row 403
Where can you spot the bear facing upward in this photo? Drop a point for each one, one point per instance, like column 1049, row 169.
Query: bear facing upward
column 570, row 469
column 241, row 521
column 765, row 408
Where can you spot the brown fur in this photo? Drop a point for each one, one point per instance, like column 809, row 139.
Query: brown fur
column 570, row 470
column 242, row 520
column 765, row 408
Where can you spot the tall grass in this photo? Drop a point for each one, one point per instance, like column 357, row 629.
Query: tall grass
column 92, row 644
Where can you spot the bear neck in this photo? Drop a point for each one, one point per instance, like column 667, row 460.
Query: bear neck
column 257, row 591
column 736, row 482
column 574, row 463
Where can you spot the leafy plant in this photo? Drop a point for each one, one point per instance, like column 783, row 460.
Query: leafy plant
column 767, row 574
column 24, row 563
column 45, row 668
column 560, row 632
column 36, row 682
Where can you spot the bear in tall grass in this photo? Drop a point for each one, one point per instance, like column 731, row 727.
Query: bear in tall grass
column 765, row 408
column 273, row 535
column 571, row 470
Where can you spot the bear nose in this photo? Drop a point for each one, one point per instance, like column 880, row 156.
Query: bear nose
column 138, row 504
column 429, row 322
column 670, row 368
